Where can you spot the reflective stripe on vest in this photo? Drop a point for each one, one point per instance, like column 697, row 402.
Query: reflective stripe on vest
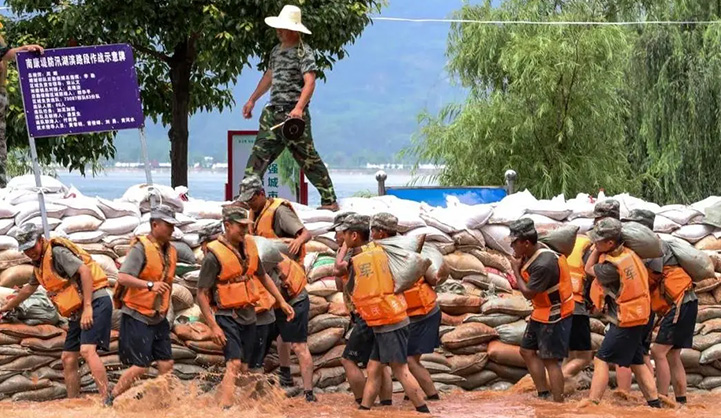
column 633, row 299
column 556, row 302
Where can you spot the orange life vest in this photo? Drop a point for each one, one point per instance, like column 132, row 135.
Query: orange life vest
column 236, row 287
column 668, row 288
column 577, row 267
column 65, row 293
column 556, row 302
column 421, row 298
column 292, row 275
column 143, row 300
column 263, row 222
column 633, row 298
column 266, row 301
column 373, row 294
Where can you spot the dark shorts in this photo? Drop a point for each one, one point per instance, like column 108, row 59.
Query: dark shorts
column 359, row 342
column 550, row 340
column 261, row 344
column 623, row 346
column 391, row 347
column 580, row 334
column 295, row 331
column 141, row 344
column 240, row 338
column 648, row 334
column 99, row 334
column 424, row 335
column 680, row 334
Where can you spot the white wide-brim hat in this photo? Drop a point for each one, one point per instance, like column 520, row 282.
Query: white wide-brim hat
column 289, row 18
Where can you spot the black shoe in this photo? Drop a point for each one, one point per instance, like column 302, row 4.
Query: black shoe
column 286, row 381
column 310, row 396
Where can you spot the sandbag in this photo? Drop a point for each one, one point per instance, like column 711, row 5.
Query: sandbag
column 512, row 207
column 459, row 304
column 512, row 333
column 493, row 259
column 322, row 341
column 447, row 378
column 207, row 347
column 86, row 237
column 325, row 321
column 510, row 373
column 120, row 226
column 690, row 359
column 318, row 306
column 330, row 376
column 472, row 238
column 185, row 253
column 515, row 305
column 37, row 344
column 489, row 281
column 707, row 285
column 37, row 309
column 331, row 358
column 8, row 339
column 467, row 350
column 597, row 326
column 452, row 320
column 14, row 350
column 709, row 383
column 117, row 208
column 478, row 379
column 27, row 363
column 323, row 266
column 468, row 334
column 492, row 320
column 641, row 240
column 314, row 246
column 708, row 312
column 188, row 371
column 405, row 262
column 16, row 276
column 709, row 326
column 463, row 264
column 19, row 383
column 695, row 262
column 208, row 360
column 693, row 233
column 438, row 269
column 468, row 365
column 27, row 331
column 596, row 341
column 10, row 258
column 704, row 341
column 561, row 240
column 705, row 299
column 505, row 354
column 54, row 391
column 338, row 309
column 7, row 243
column 7, row 210
column 664, row 225
column 709, row 242
column 29, row 210
column 79, row 223
column 181, row 297
column 432, row 235
column 496, row 237
column 324, row 287
column 192, row 315
column 434, row 368
column 192, row 332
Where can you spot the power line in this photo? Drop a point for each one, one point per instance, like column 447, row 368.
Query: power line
column 549, row 23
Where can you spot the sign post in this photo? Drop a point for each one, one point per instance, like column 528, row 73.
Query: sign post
column 72, row 91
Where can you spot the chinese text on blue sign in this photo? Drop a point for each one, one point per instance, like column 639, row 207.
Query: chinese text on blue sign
column 71, row 91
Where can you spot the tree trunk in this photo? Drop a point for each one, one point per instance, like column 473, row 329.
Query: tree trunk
column 180, row 68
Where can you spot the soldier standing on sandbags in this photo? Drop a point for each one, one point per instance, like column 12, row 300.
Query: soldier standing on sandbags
column 371, row 286
column 546, row 282
column 620, row 289
column 226, row 283
column 291, row 81
column 423, row 312
column 360, row 337
column 78, row 288
column 143, row 295
column 275, row 218
column 673, row 299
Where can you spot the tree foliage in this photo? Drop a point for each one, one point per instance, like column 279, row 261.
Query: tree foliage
column 189, row 52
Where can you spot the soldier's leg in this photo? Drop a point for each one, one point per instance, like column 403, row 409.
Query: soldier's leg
column 268, row 144
column 305, row 154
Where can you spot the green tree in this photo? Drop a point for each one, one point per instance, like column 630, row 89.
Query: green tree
column 189, row 52
column 543, row 100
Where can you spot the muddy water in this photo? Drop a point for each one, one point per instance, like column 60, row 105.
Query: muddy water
column 162, row 398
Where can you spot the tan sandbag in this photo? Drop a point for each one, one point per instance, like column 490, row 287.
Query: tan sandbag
column 55, row 391
column 330, row 376
column 710, row 354
column 471, row 289
column 434, row 368
column 322, row 341
column 336, row 297
column 209, row 360
column 17, row 276
column 453, row 304
column 492, row 320
column 709, row 242
column 708, row 312
column 107, row 264
column 27, row 363
column 505, row 354
column 514, row 305
column 325, row 321
column 469, row 350
column 468, row 334
column 193, row 332
column 436, row 358
column 596, row 341
column 318, row 306
column 338, row 309
column 477, row 380
column 8, row 339
column 111, row 362
column 452, row 320
column 597, row 326
column 510, row 373
column 98, row 248
column 447, row 378
column 47, row 372
column 182, row 353
column 488, row 281
column 191, row 315
column 709, row 369
column 690, row 359
column 11, row 258
column 207, row 347
column 707, row 285
column 314, row 246
column 709, row 383
column 463, row 264
column 712, row 325
column 188, row 371
column 324, row 287
column 704, row 341
column 51, row 344
column 28, row 331
column 115, row 319
column 13, row 350
column 21, row 383
column 706, row 299
column 693, row 379
column 7, row 358
column 716, row 293
column 121, row 250
column 468, row 365
column 715, row 259
column 181, row 297
column 331, row 358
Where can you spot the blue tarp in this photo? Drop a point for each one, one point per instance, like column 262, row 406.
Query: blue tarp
column 436, row 196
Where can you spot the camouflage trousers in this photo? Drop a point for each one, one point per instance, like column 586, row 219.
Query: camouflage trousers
column 3, row 138
column 270, row 144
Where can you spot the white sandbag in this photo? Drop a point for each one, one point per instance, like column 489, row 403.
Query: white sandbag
column 118, row 208
column 584, row 224
column 203, row 209
column 680, row 214
column 512, row 207
column 17, row 197
column 641, row 240
column 629, row 203
column 29, row 210
column 27, row 182
column 82, row 206
column 198, row 225
column 664, row 225
column 87, row 237
column 496, row 237
column 555, row 208
column 6, row 225
column 8, row 243
column 582, row 206
column 120, row 226
column 79, row 223
column 318, row 215
column 448, row 220
column 405, row 265
column 140, row 194
column 192, row 239
column 7, row 210
column 477, row 215
column 38, row 222
column 408, row 219
column 362, row 205
column 432, row 235
column 702, row 205
column 542, row 223
column 695, row 262
column 107, row 264
column 693, row 233
column 269, row 252
column 299, row 207
column 438, row 268
column 183, row 220
column 112, row 241
column 317, row 228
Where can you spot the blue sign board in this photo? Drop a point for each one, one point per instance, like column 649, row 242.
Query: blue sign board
column 70, row 91
column 436, row 196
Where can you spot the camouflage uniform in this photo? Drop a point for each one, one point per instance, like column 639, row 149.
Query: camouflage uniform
column 288, row 66
column 385, row 221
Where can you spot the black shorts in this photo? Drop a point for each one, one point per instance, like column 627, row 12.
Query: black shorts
column 98, row 334
column 240, row 338
column 424, row 335
column 359, row 342
column 623, row 346
column 295, row 331
column 391, row 347
column 580, row 334
column 550, row 340
column 680, row 334
column 261, row 343
column 141, row 344
column 648, row 334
